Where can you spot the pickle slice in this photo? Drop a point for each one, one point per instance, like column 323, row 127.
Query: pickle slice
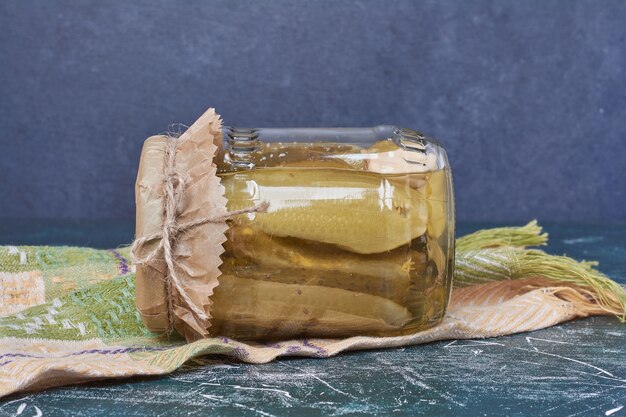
column 437, row 255
column 383, row 287
column 358, row 211
column 279, row 310
column 437, row 202
column 273, row 321
column 252, row 254
column 246, row 242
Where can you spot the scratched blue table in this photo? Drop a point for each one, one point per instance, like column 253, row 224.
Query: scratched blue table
column 575, row 369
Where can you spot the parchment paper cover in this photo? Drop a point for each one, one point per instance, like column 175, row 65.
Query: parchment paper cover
column 197, row 250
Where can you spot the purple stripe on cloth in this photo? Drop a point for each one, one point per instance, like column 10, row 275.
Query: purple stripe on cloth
column 89, row 351
column 122, row 263
column 240, row 352
column 319, row 351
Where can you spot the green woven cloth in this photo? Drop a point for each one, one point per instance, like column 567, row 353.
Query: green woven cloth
column 68, row 314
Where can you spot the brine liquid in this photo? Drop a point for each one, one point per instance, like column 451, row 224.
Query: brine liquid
column 339, row 252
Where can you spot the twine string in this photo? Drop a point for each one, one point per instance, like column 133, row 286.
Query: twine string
column 174, row 187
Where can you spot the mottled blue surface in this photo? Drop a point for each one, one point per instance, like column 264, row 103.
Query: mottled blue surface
column 528, row 97
column 575, row 369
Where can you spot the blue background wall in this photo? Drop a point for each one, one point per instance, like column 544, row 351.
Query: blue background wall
column 528, row 97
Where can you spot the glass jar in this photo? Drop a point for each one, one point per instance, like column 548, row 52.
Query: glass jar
column 357, row 238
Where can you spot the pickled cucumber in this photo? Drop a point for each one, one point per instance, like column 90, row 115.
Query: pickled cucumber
column 246, row 242
column 255, row 255
column 437, row 201
column 357, row 211
column 347, row 246
column 423, row 291
column 387, row 288
column 240, row 303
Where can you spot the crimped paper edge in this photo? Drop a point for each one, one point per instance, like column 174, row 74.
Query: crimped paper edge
column 197, row 251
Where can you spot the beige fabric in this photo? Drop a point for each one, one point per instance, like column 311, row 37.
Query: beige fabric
column 20, row 290
column 493, row 309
